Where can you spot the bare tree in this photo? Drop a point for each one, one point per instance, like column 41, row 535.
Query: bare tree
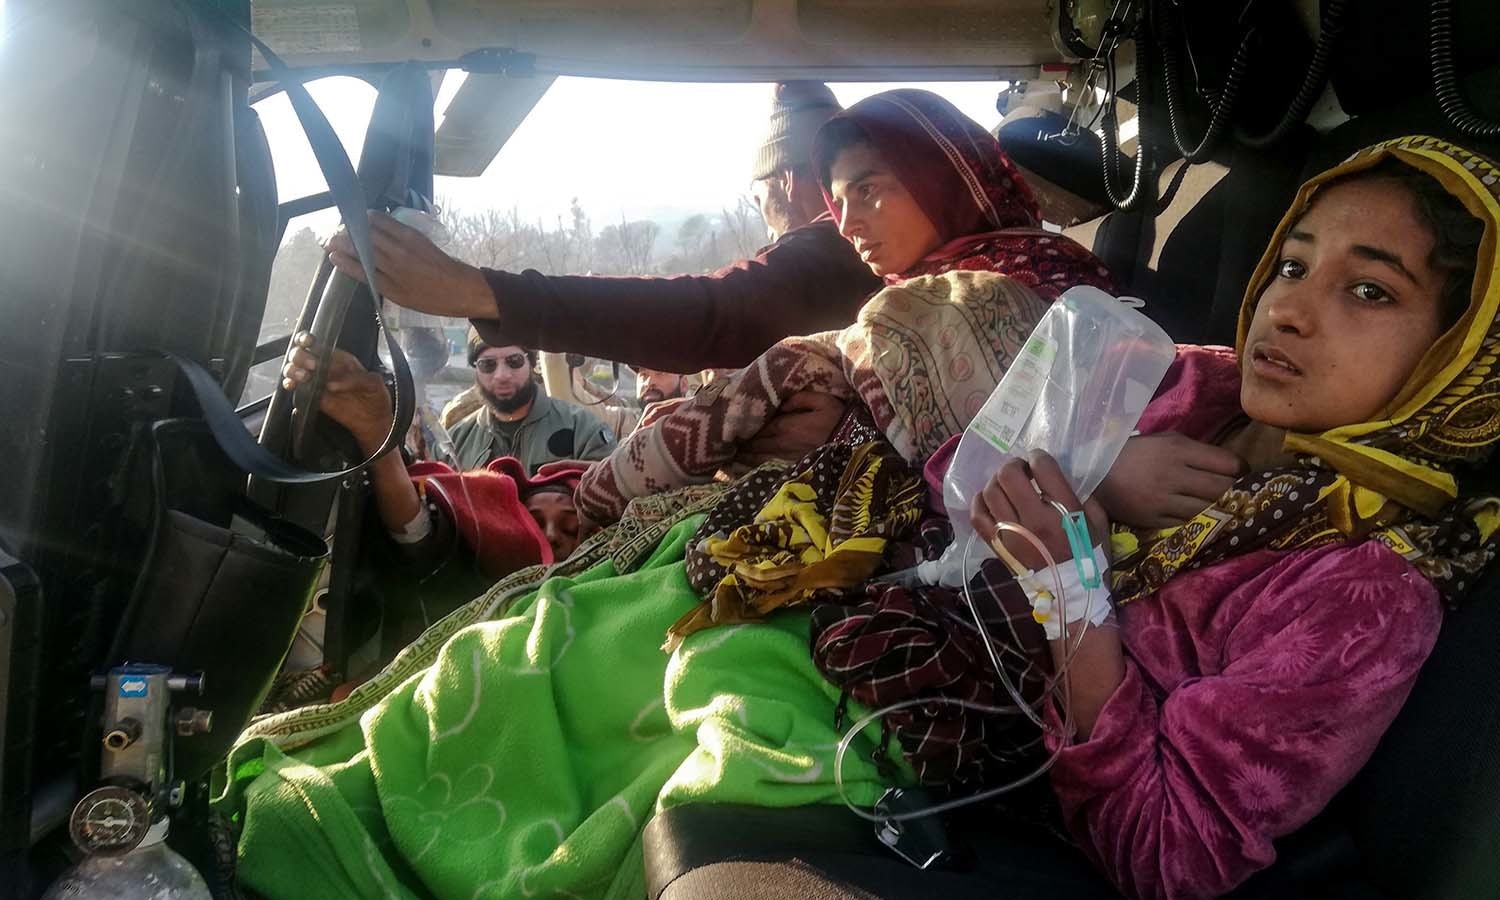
column 552, row 248
column 503, row 240
column 488, row 237
column 291, row 274
column 692, row 237
column 639, row 239
column 745, row 230
column 582, row 234
column 627, row 248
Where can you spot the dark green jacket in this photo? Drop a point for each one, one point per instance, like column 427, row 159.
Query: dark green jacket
column 553, row 430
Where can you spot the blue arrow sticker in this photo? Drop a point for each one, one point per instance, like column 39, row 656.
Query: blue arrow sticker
column 133, row 687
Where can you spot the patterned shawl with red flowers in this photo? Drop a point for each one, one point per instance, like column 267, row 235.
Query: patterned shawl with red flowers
column 924, row 353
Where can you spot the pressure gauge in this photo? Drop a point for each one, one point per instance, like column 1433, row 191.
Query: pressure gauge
column 1089, row 17
column 110, row 821
column 1079, row 30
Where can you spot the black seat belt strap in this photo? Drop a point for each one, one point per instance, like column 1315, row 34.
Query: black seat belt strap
column 343, row 185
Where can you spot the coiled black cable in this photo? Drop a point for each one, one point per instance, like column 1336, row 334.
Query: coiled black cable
column 1220, row 109
column 1445, row 84
column 1132, row 198
column 1330, row 25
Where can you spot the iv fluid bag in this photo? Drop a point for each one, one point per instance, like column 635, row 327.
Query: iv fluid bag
column 1076, row 390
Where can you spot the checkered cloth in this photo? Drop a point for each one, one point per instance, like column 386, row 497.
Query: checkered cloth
column 897, row 643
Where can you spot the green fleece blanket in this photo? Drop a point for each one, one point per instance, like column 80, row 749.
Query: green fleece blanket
column 525, row 757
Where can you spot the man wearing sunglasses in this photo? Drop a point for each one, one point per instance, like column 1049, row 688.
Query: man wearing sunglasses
column 518, row 419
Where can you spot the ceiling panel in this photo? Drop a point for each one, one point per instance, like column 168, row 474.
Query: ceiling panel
column 707, row 40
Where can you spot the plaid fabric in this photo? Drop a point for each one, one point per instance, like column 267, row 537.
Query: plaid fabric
column 922, row 357
column 899, row 644
column 933, row 533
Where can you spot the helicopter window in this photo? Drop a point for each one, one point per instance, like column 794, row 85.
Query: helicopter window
column 348, row 103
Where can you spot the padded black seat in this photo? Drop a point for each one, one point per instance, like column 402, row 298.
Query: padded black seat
column 707, row 852
column 1425, row 812
column 1192, row 261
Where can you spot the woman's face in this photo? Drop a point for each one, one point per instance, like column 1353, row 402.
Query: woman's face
column 1352, row 307
column 556, row 515
column 876, row 213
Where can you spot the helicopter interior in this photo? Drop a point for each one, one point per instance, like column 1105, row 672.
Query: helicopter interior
column 150, row 517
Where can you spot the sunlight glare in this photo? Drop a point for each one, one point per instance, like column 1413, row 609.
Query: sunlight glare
column 625, row 149
column 453, row 79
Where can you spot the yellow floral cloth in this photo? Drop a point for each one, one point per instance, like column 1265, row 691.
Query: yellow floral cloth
column 824, row 528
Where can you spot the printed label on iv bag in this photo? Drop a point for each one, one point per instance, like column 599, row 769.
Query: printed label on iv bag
column 999, row 421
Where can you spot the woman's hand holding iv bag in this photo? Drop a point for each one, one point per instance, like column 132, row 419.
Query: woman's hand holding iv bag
column 1034, row 494
column 1076, row 391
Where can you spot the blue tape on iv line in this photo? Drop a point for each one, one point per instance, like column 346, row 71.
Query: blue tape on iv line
column 1077, row 528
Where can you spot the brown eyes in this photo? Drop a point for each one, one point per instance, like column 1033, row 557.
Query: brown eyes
column 1371, row 293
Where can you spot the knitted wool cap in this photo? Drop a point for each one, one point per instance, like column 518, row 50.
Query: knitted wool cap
column 798, row 109
column 476, row 345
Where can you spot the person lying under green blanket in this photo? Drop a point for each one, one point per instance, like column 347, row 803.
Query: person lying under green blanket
column 518, row 748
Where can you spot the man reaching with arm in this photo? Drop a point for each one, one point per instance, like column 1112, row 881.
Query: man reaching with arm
column 808, row 280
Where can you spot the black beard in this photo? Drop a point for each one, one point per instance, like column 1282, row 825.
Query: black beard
column 657, row 395
column 504, row 407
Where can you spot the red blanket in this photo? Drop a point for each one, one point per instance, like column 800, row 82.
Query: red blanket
column 488, row 509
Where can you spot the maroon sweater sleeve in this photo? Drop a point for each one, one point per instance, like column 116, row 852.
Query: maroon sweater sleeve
column 810, row 280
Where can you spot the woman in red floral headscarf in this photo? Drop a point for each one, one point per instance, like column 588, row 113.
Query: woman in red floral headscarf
column 959, row 202
column 934, row 206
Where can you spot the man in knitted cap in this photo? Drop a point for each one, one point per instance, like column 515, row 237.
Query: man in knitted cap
column 809, row 280
column 518, row 419
column 782, row 179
